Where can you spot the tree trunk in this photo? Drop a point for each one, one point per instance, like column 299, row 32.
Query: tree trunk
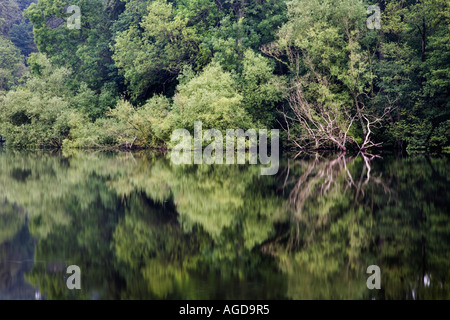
column 358, row 110
column 424, row 40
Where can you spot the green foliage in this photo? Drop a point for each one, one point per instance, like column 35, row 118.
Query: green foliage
column 38, row 115
column 228, row 63
column 325, row 46
column 9, row 15
column 243, row 25
column 92, row 104
column 210, row 97
column 154, row 51
column 12, row 66
column 156, row 39
column 261, row 90
column 140, row 227
column 414, row 71
column 85, row 51
column 125, row 127
column 21, row 35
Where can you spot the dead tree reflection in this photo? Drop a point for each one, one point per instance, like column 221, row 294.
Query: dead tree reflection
column 316, row 183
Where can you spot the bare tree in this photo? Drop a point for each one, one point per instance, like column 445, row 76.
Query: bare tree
column 328, row 93
column 323, row 127
column 322, row 177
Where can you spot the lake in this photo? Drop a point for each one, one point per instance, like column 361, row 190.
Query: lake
column 140, row 227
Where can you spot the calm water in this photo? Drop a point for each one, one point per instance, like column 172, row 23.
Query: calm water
column 141, row 228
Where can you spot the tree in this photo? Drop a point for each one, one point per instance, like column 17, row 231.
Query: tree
column 10, row 13
column 414, row 72
column 12, row 66
column 85, row 51
column 37, row 115
column 211, row 97
column 21, row 35
column 262, row 91
column 243, row 25
column 152, row 53
column 329, row 56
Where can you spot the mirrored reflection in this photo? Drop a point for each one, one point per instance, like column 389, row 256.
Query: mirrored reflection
column 140, row 227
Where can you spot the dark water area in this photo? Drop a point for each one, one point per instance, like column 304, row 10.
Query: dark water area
column 140, row 227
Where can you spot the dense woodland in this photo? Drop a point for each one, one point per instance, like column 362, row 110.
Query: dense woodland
column 138, row 69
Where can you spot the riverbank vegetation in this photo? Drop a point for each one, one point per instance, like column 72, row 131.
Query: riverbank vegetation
column 138, row 69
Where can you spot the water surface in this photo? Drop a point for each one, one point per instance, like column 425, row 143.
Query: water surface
column 140, row 227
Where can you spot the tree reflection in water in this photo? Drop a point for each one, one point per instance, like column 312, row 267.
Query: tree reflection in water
column 140, row 227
